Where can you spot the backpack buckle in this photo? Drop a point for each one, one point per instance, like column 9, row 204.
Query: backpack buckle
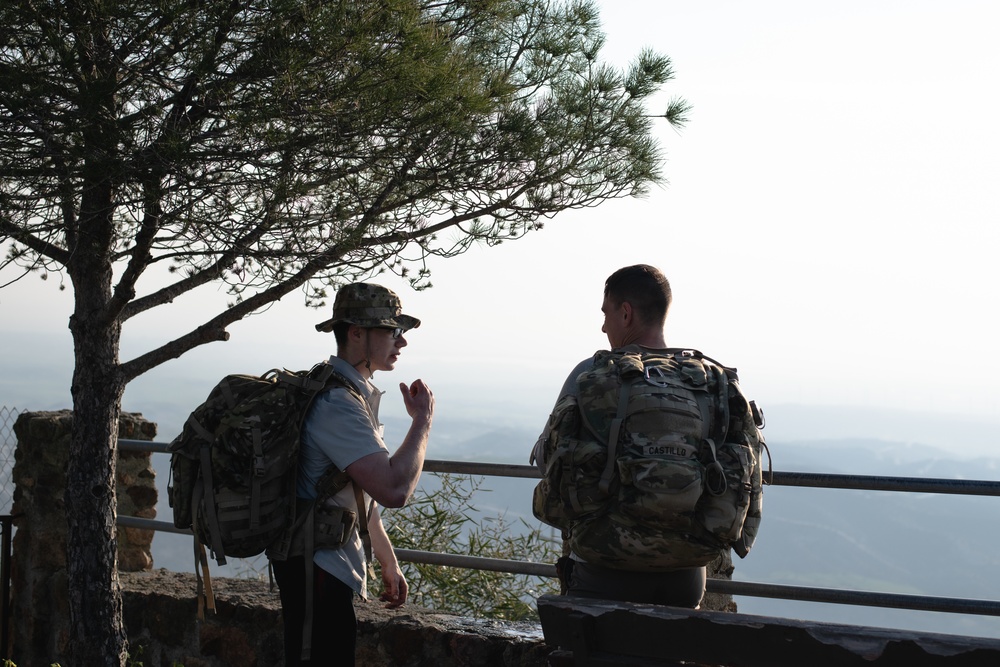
column 758, row 414
column 258, row 466
column 659, row 381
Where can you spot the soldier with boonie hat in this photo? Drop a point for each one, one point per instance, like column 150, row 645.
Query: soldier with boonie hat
column 342, row 429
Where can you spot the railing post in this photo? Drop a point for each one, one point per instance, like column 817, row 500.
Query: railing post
column 5, row 587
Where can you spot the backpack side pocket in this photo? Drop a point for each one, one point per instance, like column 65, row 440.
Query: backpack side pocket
column 724, row 514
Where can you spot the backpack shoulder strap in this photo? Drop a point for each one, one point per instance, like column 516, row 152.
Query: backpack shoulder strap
column 321, row 377
column 328, row 376
column 615, row 433
column 628, row 362
column 204, row 489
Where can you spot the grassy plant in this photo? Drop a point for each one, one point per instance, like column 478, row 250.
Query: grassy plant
column 445, row 521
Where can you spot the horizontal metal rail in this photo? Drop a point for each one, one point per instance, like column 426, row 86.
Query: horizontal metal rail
column 803, row 479
column 968, row 487
column 477, row 562
column 852, row 597
column 144, row 446
column 724, row 586
column 487, row 469
column 408, row 555
column 152, row 524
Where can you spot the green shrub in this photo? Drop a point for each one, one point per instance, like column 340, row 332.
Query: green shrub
column 445, row 521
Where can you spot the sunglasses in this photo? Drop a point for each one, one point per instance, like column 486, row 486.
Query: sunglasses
column 396, row 331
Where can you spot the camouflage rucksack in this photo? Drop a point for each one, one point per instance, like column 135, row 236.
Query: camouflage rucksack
column 234, row 465
column 682, row 481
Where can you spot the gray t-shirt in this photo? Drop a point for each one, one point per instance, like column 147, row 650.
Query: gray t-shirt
column 341, row 430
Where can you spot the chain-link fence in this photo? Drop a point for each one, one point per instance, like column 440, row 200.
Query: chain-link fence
column 8, row 442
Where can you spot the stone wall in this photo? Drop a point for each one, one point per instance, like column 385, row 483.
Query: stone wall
column 39, row 602
column 161, row 618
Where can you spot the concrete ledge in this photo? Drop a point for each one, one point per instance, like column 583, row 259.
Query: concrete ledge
column 161, row 619
column 595, row 632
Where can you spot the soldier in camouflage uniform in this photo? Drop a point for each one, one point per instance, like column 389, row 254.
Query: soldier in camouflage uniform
column 342, row 429
column 636, row 299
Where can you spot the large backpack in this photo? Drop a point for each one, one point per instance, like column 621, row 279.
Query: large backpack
column 654, row 463
column 234, row 469
column 234, row 465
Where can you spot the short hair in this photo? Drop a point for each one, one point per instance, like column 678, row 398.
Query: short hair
column 340, row 333
column 643, row 286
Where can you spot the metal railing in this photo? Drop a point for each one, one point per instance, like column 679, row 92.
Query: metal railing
column 726, row 587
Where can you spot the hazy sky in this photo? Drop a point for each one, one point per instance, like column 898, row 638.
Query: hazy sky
column 829, row 228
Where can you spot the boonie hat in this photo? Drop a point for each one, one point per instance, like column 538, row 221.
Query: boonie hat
column 368, row 305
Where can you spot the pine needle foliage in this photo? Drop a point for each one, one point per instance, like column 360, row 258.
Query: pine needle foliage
column 238, row 151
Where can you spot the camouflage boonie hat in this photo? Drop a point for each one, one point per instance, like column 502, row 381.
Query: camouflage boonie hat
column 368, row 305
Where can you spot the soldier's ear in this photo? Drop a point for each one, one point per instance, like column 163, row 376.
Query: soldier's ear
column 628, row 313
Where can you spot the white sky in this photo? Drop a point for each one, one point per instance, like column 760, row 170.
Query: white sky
column 830, row 228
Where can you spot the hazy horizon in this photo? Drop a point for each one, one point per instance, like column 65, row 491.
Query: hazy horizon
column 167, row 395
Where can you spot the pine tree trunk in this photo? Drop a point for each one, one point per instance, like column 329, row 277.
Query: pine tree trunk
column 97, row 633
